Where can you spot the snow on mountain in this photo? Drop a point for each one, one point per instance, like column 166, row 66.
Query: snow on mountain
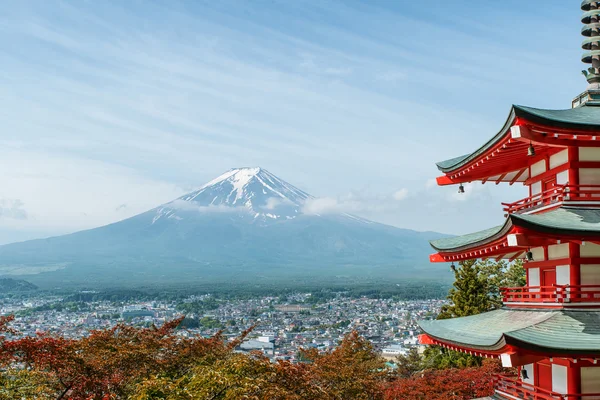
column 246, row 225
column 254, row 191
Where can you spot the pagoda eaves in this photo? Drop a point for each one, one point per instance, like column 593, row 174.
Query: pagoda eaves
column 503, row 158
column 521, row 232
column 553, row 333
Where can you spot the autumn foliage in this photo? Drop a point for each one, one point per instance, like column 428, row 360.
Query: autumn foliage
column 446, row 384
column 126, row 362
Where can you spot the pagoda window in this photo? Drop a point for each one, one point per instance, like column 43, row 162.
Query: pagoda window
column 590, row 381
column 589, row 154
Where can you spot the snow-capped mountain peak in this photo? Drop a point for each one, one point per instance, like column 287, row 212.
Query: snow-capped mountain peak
column 251, row 189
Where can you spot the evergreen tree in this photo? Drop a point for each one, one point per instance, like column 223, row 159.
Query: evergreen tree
column 476, row 289
column 470, row 293
column 409, row 363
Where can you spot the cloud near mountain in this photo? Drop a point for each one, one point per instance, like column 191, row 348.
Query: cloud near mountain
column 355, row 202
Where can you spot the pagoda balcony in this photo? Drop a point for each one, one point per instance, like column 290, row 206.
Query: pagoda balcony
column 509, row 387
column 555, row 197
column 556, row 295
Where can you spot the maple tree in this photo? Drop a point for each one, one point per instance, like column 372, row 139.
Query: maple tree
column 156, row 363
column 351, row 371
column 448, row 384
column 108, row 363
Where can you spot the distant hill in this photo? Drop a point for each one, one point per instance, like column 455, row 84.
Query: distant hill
column 245, row 225
column 15, row 285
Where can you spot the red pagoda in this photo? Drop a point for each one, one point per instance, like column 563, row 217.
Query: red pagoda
column 549, row 329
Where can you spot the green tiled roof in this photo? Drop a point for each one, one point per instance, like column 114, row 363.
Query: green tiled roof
column 586, row 117
column 554, row 331
column 565, row 220
column 451, row 162
column 571, row 330
column 465, row 240
column 483, row 330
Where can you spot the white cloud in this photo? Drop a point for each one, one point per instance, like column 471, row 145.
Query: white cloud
column 12, row 209
column 323, row 205
column 274, row 202
column 191, row 206
column 357, row 202
column 400, row 194
column 431, row 183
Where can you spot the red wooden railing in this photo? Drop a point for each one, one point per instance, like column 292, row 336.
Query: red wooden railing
column 509, row 386
column 552, row 294
column 556, row 194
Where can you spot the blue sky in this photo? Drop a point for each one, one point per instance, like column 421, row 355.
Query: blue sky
column 112, row 108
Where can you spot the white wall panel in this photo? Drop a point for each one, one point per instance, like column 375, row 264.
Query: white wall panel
column 562, row 178
column 530, row 374
column 533, row 278
column 590, row 275
column 559, row 158
column 538, row 168
column 536, row 188
column 563, row 276
column 559, row 379
column 589, row 176
column 589, row 154
column 538, row 253
column 557, row 251
column 589, row 250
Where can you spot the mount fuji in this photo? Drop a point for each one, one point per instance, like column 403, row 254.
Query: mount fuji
column 252, row 191
column 246, row 225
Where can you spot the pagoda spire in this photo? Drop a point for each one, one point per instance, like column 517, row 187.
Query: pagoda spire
column 591, row 43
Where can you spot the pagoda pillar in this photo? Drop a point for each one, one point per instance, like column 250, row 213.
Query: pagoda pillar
column 573, row 152
column 574, row 250
column 574, row 269
column 574, row 380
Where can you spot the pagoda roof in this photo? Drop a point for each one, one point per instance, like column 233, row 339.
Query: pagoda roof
column 552, row 332
column 573, row 221
column 584, row 118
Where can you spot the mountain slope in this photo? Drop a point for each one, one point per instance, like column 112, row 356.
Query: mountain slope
column 246, row 224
